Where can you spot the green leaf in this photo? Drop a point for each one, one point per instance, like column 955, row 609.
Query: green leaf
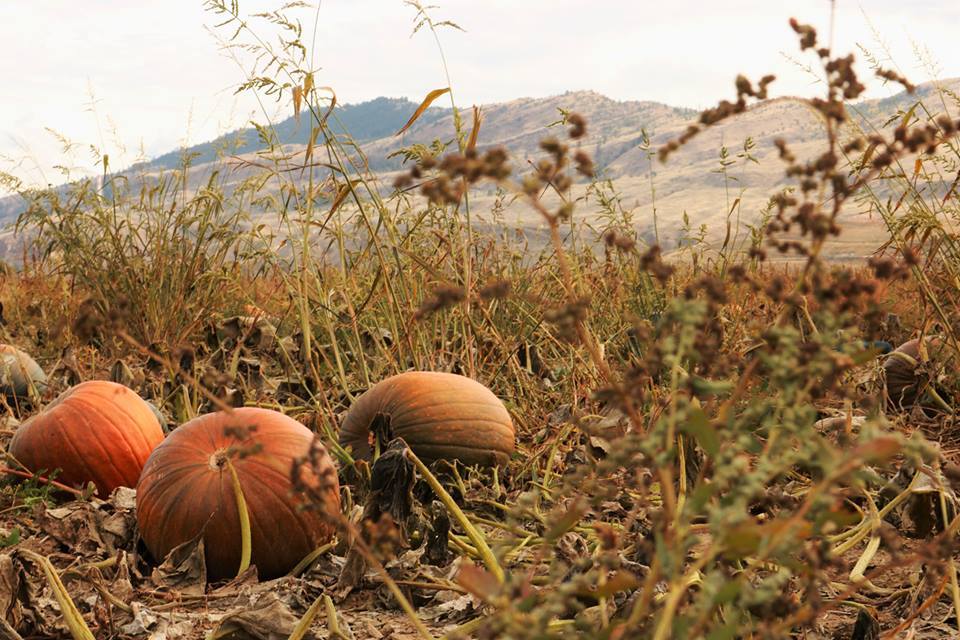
column 10, row 539
column 741, row 542
column 698, row 426
column 726, row 632
column 700, row 496
column 727, row 593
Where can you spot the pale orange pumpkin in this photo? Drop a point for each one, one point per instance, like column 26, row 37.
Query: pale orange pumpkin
column 439, row 415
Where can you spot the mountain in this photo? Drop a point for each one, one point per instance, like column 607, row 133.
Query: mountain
column 698, row 183
column 378, row 118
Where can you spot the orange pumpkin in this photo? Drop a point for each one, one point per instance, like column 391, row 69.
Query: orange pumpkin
column 440, row 415
column 186, row 490
column 18, row 372
column 97, row 431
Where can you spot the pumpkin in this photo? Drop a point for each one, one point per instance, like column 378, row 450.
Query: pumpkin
column 439, row 415
column 97, row 431
column 18, row 371
column 186, row 491
column 906, row 379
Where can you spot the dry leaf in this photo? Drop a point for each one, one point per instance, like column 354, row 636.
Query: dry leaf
column 184, row 569
column 297, row 101
column 475, row 131
column 345, row 190
column 310, row 144
column 433, row 95
column 10, row 577
column 267, row 619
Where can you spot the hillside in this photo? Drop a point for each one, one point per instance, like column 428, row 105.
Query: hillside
column 694, row 183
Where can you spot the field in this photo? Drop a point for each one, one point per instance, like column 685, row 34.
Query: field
column 710, row 440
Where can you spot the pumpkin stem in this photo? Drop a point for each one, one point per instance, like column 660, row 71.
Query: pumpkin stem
column 218, row 459
column 245, row 545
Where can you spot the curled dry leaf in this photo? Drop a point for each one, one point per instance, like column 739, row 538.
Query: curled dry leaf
column 184, row 570
column 268, row 618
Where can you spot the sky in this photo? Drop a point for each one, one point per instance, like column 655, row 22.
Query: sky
column 138, row 78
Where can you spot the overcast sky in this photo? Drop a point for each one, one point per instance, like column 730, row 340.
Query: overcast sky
column 159, row 78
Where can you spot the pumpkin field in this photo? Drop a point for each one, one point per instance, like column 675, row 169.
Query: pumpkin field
column 382, row 416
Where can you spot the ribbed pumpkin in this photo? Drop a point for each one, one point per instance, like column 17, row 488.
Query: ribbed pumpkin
column 904, row 383
column 18, row 371
column 440, row 415
column 186, row 490
column 97, row 431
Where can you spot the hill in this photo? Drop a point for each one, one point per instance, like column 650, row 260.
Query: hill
column 734, row 162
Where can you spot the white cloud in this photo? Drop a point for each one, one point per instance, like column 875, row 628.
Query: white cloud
column 158, row 74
